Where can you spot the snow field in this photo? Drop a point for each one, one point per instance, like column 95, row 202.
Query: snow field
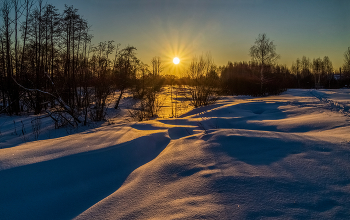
column 280, row 157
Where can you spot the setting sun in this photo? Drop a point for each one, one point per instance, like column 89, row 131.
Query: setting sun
column 176, row 60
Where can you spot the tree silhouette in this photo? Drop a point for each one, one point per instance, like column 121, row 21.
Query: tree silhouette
column 317, row 66
column 201, row 73
column 327, row 71
column 157, row 66
column 264, row 53
column 346, row 65
column 296, row 70
column 346, row 68
column 125, row 67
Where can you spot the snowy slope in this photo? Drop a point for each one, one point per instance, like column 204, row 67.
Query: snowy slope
column 283, row 157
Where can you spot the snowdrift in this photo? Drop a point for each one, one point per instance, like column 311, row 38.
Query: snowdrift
column 283, row 157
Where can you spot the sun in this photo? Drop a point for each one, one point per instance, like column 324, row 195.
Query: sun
column 176, row 60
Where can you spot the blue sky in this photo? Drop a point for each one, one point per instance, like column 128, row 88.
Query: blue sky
column 226, row 29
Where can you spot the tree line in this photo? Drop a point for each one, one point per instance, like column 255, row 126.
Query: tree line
column 49, row 64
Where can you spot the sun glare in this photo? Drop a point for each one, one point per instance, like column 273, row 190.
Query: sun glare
column 176, row 60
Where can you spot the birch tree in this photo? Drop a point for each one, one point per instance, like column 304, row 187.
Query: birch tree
column 264, row 53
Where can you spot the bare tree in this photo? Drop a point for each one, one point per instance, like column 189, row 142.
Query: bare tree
column 157, row 66
column 264, row 53
column 146, row 89
column 317, row 66
column 346, row 65
column 296, row 69
column 125, row 67
column 202, row 85
column 6, row 42
column 16, row 11
column 28, row 4
column 327, row 70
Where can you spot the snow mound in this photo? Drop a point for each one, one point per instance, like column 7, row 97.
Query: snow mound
column 281, row 157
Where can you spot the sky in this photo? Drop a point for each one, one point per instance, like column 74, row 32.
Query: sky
column 224, row 28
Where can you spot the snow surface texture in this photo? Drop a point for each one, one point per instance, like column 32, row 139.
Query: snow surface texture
column 277, row 157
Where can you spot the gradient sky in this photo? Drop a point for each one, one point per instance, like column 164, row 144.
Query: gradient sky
column 225, row 28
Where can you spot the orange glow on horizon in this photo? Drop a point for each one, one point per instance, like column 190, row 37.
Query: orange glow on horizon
column 173, row 42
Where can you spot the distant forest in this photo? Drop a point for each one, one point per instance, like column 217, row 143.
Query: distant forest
column 49, row 65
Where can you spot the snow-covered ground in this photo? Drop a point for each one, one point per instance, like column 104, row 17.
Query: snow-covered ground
column 277, row 157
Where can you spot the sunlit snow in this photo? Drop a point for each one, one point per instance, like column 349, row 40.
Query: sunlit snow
column 284, row 157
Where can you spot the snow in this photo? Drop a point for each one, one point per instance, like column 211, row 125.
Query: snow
column 278, row 157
